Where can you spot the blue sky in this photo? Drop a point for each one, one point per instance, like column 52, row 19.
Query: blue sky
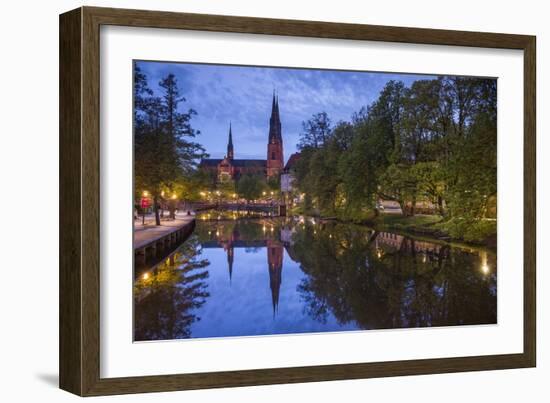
column 242, row 95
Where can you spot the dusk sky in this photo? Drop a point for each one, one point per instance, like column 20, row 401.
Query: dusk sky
column 243, row 95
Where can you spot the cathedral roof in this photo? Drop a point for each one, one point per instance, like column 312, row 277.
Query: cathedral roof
column 210, row 162
column 213, row 162
column 291, row 163
column 249, row 163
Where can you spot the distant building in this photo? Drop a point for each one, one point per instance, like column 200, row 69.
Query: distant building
column 231, row 168
column 288, row 175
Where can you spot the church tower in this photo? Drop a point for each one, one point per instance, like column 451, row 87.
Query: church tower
column 230, row 144
column 230, row 259
column 275, row 142
column 275, row 266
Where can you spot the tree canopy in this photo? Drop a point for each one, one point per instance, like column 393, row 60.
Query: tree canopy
column 250, row 187
column 434, row 142
column 165, row 151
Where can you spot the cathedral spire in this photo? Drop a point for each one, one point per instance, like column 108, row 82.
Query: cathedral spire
column 230, row 258
column 275, row 121
column 275, row 267
column 230, row 144
column 275, row 140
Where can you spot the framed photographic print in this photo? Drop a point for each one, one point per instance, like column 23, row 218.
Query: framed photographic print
column 249, row 201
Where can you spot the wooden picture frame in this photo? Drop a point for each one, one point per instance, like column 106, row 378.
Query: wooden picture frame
column 80, row 184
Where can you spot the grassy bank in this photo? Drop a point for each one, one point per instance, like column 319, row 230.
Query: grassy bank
column 425, row 224
column 472, row 231
column 482, row 232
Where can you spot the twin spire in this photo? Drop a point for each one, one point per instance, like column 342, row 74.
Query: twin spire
column 274, row 127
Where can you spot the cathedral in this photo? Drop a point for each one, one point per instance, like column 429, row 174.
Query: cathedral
column 234, row 238
column 230, row 168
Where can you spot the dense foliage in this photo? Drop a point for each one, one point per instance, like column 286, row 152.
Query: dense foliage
column 250, row 187
column 165, row 153
column 433, row 144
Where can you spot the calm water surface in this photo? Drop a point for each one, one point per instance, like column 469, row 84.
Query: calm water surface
column 242, row 277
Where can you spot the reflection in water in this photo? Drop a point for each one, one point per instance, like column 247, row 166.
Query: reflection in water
column 228, row 280
column 167, row 297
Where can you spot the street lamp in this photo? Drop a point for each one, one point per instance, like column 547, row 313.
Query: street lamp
column 173, row 205
column 145, row 195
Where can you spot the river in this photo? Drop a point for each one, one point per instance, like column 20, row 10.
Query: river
column 242, row 275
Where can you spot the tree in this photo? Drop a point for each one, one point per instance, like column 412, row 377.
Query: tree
column 180, row 133
column 398, row 183
column 433, row 141
column 375, row 142
column 165, row 155
column 149, row 148
column 141, row 93
column 315, row 131
column 430, row 182
column 356, row 169
column 227, row 189
column 274, row 183
column 250, row 187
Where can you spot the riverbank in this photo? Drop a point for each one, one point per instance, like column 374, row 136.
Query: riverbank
column 151, row 240
column 481, row 232
column 472, row 232
column 144, row 235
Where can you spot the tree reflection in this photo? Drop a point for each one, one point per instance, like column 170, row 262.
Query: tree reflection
column 350, row 277
column 381, row 280
column 167, row 297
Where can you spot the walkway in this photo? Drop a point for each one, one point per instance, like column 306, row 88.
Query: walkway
column 150, row 233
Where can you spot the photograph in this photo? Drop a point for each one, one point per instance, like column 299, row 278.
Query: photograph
column 277, row 201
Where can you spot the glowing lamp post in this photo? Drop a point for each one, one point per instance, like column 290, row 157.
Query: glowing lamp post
column 173, row 199
column 145, row 204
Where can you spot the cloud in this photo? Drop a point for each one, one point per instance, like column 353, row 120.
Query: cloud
column 243, row 95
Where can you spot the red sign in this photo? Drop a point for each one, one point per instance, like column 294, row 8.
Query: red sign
column 145, row 203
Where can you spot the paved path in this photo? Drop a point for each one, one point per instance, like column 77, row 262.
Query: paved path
column 144, row 235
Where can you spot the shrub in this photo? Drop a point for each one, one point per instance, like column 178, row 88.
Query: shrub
column 470, row 230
